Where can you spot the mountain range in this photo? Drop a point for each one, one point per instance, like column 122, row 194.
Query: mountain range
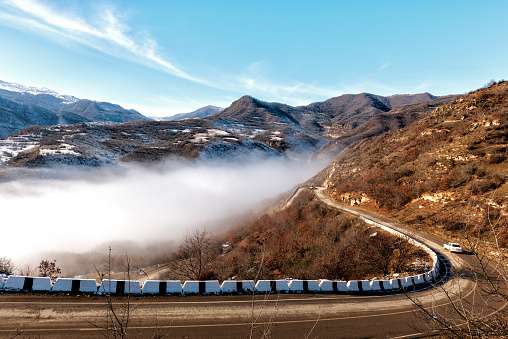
column 98, row 132
column 23, row 106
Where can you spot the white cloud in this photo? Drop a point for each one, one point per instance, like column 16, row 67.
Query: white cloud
column 106, row 34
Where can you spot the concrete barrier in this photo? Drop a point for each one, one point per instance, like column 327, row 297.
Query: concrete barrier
column 237, row 286
column 29, row 284
column 75, row 286
column 303, row 286
column 380, row 286
column 201, row 287
column 358, row 285
column 428, row 276
column 396, row 284
column 329, row 286
column 162, row 287
column 432, row 254
column 119, row 287
column 419, row 279
column 272, row 286
column 407, row 282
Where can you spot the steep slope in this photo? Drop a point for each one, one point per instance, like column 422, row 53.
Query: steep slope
column 199, row 113
column 441, row 173
column 15, row 116
column 67, row 118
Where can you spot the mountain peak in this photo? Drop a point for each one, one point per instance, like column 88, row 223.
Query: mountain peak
column 246, row 99
column 15, row 87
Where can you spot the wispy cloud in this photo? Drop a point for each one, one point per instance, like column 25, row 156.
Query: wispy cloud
column 107, row 31
column 108, row 34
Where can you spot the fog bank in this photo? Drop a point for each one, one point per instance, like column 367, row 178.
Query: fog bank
column 161, row 203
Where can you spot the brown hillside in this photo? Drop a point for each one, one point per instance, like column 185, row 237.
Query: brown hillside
column 397, row 118
column 444, row 172
column 307, row 240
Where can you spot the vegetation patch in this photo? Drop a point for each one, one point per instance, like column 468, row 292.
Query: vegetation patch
column 307, row 240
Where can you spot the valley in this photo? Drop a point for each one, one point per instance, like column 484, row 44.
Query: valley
column 431, row 166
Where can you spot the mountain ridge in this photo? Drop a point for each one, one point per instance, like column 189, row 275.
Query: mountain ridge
column 199, row 113
column 35, row 104
column 247, row 124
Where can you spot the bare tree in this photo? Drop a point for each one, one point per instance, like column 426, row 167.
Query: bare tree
column 49, row 269
column 27, row 270
column 118, row 314
column 120, row 309
column 195, row 255
column 6, row 265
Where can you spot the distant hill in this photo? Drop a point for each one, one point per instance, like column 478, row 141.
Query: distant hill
column 43, row 97
column 15, row 116
column 397, row 118
column 199, row 113
column 103, row 111
column 340, row 115
column 36, row 104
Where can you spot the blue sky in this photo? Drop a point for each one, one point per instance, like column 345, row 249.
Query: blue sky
column 163, row 57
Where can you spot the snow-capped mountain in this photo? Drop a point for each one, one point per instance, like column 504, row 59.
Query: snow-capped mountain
column 15, row 87
column 23, row 106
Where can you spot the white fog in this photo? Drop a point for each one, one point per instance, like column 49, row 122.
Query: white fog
column 141, row 205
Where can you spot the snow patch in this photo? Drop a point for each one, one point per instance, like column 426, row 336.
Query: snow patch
column 11, row 147
column 217, row 132
column 14, row 87
column 62, row 149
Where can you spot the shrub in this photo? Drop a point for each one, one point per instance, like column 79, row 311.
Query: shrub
column 497, row 158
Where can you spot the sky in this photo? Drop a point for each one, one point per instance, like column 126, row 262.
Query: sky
column 163, row 57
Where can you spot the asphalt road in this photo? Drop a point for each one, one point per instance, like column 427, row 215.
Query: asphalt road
column 283, row 316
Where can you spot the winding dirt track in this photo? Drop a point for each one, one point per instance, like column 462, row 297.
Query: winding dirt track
column 285, row 316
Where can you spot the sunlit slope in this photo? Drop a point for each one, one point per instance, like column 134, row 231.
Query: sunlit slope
column 445, row 171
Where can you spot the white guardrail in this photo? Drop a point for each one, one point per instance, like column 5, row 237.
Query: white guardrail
column 211, row 287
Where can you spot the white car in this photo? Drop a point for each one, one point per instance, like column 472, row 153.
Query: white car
column 453, row 247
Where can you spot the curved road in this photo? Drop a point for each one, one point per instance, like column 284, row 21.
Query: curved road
column 284, row 316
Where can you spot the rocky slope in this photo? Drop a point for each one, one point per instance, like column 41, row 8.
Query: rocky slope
column 446, row 171
column 338, row 116
column 95, row 144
